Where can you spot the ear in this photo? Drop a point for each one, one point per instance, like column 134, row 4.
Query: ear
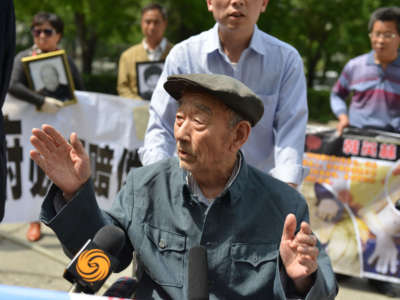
column 264, row 5
column 241, row 133
column 209, row 5
column 59, row 37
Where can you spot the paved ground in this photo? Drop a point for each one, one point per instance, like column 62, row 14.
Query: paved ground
column 41, row 265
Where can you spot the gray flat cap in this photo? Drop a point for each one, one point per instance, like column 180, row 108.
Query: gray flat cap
column 230, row 91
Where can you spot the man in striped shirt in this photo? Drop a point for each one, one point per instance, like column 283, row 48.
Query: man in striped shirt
column 372, row 79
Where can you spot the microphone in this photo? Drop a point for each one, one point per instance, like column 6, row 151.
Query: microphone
column 198, row 274
column 123, row 287
column 96, row 260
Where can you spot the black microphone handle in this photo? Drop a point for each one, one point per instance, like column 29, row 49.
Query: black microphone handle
column 75, row 288
column 198, row 274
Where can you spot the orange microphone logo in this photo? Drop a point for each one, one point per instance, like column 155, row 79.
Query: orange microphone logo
column 93, row 265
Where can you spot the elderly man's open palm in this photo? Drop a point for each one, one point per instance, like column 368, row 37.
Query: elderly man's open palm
column 298, row 251
column 66, row 164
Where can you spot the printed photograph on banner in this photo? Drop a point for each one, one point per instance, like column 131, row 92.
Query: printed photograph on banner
column 148, row 74
column 353, row 191
column 49, row 75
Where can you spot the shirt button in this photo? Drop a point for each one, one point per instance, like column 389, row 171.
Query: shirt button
column 162, row 244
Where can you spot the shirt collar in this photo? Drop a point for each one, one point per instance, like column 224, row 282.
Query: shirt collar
column 371, row 59
column 159, row 49
column 214, row 42
column 256, row 42
column 397, row 60
column 36, row 50
column 196, row 191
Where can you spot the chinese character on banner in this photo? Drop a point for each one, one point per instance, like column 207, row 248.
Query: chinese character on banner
column 129, row 159
column 388, row 151
column 351, row 147
column 100, row 159
column 14, row 157
column 369, row 149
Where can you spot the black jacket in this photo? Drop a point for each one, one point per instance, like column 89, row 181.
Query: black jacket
column 7, row 49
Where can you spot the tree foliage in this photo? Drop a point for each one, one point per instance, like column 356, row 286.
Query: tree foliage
column 326, row 33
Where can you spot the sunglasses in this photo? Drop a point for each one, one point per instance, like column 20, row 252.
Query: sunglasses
column 47, row 32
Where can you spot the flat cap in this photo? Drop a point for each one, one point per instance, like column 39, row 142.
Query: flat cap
column 230, row 91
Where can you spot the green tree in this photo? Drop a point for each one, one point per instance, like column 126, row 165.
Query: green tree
column 326, row 33
column 88, row 23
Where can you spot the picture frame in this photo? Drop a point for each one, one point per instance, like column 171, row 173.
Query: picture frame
column 49, row 74
column 147, row 75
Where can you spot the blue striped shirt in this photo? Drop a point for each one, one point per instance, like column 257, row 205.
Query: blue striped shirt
column 375, row 93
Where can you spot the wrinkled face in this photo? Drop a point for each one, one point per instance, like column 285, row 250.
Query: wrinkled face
column 385, row 39
column 153, row 25
column 237, row 14
column 202, row 133
column 45, row 37
column 49, row 78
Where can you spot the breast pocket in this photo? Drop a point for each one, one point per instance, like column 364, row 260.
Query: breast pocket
column 162, row 255
column 253, row 265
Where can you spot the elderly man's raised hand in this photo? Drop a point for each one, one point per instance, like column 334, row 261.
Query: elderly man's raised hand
column 299, row 253
column 66, row 164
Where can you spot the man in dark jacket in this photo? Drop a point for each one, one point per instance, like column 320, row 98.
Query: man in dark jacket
column 7, row 47
column 253, row 227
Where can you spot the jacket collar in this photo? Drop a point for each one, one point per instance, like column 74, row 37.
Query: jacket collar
column 234, row 187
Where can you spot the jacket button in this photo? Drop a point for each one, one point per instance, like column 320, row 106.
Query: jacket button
column 162, row 244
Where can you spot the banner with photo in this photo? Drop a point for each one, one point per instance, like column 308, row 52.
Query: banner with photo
column 353, row 192
column 111, row 128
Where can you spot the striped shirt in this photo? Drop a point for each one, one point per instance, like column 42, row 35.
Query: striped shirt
column 375, row 93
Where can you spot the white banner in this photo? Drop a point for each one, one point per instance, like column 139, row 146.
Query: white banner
column 112, row 129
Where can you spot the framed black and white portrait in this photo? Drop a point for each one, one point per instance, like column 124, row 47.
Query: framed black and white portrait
column 49, row 75
column 147, row 74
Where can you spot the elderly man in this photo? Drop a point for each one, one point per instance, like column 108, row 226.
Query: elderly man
column 271, row 68
column 254, row 227
column 154, row 47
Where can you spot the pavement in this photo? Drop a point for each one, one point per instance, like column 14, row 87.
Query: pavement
column 41, row 265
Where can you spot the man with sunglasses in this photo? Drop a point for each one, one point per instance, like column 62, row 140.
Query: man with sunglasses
column 47, row 30
column 373, row 81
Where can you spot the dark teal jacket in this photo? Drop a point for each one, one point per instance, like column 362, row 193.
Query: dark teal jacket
column 241, row 231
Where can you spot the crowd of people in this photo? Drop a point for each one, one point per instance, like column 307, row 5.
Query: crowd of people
column 228, row 116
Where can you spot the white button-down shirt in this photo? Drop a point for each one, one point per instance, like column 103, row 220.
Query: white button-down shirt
column 272, row 69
